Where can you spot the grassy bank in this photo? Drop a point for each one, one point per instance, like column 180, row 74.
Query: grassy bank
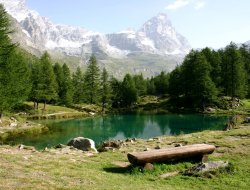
column 72, row 169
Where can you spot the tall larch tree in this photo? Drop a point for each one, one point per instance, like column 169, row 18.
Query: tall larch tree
column 47, row 86
column 67, row 87
column 129, row 92
column 58, row 71
column 92, row 82
column 78, row 86
column 14, row 72
column 234, row 73
column 245, row 54
column 105, row 89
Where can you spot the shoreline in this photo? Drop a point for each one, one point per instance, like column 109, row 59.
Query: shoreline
column 66, row 168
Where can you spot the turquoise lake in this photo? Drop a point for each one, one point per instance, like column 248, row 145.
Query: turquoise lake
column 121, row 127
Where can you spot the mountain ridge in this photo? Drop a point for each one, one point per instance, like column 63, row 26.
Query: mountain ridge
column 156, row 36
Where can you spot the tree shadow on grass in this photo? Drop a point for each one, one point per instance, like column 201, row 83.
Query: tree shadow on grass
column 119, row 170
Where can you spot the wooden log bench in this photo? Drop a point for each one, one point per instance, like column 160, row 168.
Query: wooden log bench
column 195, row 151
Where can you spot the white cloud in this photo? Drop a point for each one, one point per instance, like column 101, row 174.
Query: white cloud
column 197, row 4
column 177, row 4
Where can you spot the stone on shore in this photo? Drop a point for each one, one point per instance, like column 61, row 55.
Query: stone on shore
column 83, row 144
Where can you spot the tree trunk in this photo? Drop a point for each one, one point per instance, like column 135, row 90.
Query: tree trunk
column 195, row 151
column 1, row 115
column 44, row 106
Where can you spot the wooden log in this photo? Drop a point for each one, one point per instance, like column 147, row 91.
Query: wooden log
column 170, row 154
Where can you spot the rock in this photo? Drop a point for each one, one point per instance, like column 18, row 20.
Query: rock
column 92, row 113
column 13, row 124
column 178, row 145
column 148, row 167
column 158, row 147
column 206, row 167
column 146, row 149
column 21, row 146
column 108, row 149
column 107, row 145
column 82, row 143
column 13, row 119
column 150, row 140
column 60, row 146
column 209, row 109
column 24, row 147
column 247, row 120
column 129, row 140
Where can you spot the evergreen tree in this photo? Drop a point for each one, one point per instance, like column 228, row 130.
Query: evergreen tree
column 116, row 97
column 199, row 90
column 161, row 83
column 67, row 87
column 92, row 82
column 234, row 73
column 78, row 85
column 214, row 59
column 14, row 72
column 140, row 84
column 150, row 86
column 175, row 87
column 129, row 92
column 47, row 85
column 58, row 71
column 105, row 89
column 35, row 69
column 6, row 46
column 14, row 81
column 245, row 54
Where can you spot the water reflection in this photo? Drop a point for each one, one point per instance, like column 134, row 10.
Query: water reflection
column 122, row 127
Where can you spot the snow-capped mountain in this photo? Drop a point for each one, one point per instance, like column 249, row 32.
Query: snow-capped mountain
column 247, row 43
column 156, row 46
column 43, row 33
column 156, row 36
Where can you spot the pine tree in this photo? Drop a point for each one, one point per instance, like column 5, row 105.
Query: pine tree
column 6, row 46
column 205, row 91
column 47, row 85
column 14, row 81
column 35, row 69
column 92, row 82
column 105, row 89
column 214, row 59
column 78, row 85
column 175, row 88
column 116, row 87
column 161, row 83
column 245, row 54
column 58, row 71
column 140, row 84
column 151, row 86
column 234, row 73
column 67, row 87
column 129, row 92
column 14, row 72
column 199, row 89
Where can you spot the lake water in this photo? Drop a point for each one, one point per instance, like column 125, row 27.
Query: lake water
column 121, row 127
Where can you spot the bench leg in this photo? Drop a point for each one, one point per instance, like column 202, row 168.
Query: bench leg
column 204, row 158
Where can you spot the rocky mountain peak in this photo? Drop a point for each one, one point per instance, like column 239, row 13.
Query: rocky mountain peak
column 156, row 36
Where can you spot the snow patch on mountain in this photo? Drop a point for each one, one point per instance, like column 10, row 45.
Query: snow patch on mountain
column 156, row 36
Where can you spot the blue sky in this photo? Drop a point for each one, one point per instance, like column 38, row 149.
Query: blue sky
column 212, row 23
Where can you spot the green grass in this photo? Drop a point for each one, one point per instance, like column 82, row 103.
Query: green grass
column 51, row 112
column 56, row 169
